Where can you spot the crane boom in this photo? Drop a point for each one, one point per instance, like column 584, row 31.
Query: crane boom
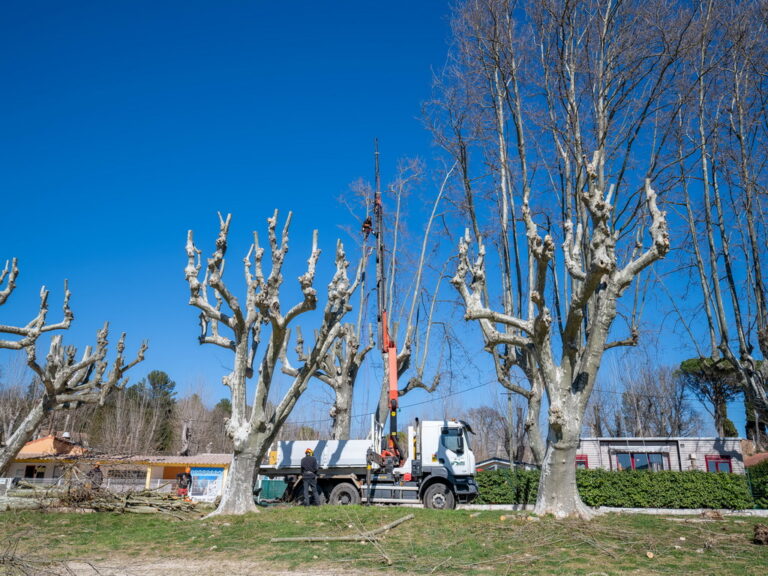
column 388, row 346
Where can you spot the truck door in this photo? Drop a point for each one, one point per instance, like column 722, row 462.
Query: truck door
column 454, row 451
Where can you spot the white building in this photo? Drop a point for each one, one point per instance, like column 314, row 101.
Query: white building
column 703, row 454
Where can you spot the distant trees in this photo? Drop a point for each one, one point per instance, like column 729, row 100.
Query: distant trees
column 654, row 403
column 66, row 382
column 135, row 420
column 495, row 435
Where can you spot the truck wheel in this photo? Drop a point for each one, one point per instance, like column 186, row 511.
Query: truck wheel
column 439, row 497
column 344, row 494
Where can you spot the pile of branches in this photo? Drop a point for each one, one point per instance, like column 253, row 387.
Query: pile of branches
column 141, row 502
column 75, row 493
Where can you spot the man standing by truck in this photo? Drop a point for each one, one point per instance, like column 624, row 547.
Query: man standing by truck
column 309, row 477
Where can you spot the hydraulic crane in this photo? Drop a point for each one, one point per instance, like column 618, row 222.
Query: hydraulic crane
column 392, row 454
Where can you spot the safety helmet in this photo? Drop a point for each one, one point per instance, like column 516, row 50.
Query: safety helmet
column 187, row 469
column 308, row 451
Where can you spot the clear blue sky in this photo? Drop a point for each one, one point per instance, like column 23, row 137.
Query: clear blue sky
column 123, row 124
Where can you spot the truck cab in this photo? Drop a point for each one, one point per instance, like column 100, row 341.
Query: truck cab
column 441, row 460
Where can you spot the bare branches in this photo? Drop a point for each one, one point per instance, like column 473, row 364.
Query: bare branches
column 8, row 276
column 28, row 334
column 659, row 240
column 472, row 295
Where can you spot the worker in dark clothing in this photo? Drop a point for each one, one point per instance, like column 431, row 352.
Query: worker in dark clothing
column 184, row 483
column 309, row 477
column 95, row 476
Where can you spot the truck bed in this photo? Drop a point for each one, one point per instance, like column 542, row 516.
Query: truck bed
column 330, row 454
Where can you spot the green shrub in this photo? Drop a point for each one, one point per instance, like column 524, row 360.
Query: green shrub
column 626, row 489
column 507, row 486
column 758, row 481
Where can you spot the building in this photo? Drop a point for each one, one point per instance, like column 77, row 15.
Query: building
column 676, row 453
column 47, row 461
column 680, row 454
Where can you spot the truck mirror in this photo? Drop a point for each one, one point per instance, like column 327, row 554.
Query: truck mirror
column 460, row 445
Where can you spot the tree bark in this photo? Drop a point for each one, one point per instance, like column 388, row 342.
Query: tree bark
column 557, row 493
column 237, row 495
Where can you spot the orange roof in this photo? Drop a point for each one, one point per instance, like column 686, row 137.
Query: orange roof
column 755, row 459
column 50, row 446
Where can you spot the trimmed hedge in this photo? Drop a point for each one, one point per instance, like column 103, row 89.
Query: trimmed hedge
column 507, row 486
column 626, row 489
column 758, row 481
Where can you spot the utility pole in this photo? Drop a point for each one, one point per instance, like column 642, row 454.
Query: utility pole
column 510, row 431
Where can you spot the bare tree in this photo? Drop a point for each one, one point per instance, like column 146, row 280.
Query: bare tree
column 339, row 368
column 253, row 428
column 67, row 382
column 562, row 97
column 402, row 322
column 341, row 365
column 722, row 145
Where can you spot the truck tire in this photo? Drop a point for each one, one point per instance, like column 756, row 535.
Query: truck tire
column 439, row 497
column 343, row 494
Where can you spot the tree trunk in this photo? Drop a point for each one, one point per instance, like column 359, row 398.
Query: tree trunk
column 342, row 413
column 558, row 494
column 237, row 496
column 720, row 416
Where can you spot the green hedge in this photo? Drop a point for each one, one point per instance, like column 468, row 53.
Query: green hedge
column 627, row 489
column 507, row 486
column 758, row 481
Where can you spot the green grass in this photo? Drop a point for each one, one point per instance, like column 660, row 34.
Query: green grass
column 434, row 542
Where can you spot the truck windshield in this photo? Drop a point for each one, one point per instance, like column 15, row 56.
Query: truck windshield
column 452, row 439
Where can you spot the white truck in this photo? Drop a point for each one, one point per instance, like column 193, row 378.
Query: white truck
column 437, row 470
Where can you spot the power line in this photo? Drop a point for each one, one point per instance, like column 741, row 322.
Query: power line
column 367, row 414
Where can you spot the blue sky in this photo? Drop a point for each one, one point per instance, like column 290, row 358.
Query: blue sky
column 124, row 124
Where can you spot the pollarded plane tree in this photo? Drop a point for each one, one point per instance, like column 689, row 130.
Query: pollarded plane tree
column 722, row 144
column 549, row 108
column 67, row 382
column 258, row 333
column 338, row 368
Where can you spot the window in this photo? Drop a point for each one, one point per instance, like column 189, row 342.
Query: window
column 452, row 439
column 653, row 461
column 718, row 463
column 582, row 461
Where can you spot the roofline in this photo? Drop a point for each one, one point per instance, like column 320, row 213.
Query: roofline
column 658, row 438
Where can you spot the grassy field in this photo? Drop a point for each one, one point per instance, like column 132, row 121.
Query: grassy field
column 434, row 542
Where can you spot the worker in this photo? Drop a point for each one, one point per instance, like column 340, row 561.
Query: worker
column 309, row 477
column 95, row 476
column 184, row 483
